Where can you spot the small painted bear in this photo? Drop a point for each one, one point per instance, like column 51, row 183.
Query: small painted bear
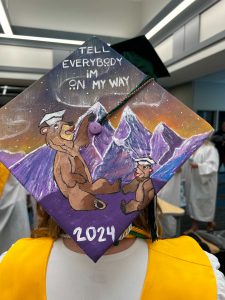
column 141, row 185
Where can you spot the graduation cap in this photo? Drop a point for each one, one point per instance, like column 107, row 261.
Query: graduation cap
column 141, row 53
column 83, row 169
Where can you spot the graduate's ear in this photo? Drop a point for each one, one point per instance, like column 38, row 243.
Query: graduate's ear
column 44, row 130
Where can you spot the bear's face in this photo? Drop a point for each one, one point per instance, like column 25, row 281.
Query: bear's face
column 66, row 130
column 143, row 171
column 60, row 131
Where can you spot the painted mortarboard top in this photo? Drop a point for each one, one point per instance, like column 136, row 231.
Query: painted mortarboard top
column 51, row 119
column 85, row 180
column 141, row 53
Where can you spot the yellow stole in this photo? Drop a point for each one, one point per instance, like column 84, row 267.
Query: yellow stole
column 177, row 269
column 4, row 175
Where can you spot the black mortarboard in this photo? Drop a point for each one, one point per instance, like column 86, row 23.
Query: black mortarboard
column 88, row 136
column 141, row 53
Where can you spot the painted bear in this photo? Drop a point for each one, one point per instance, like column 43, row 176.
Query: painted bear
column 71, row 173
column 141, row 185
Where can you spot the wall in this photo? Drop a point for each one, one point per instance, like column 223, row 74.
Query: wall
column 209, row 95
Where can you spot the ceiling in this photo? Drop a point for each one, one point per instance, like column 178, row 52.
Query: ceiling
column 113, row 19
column 32, row 21
column 25, row 54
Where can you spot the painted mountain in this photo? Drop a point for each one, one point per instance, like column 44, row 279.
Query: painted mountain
column 112, row 154
column 132, row 140
column 167, row 140
column 94, row 153
column 39, row 183
column 132, row 135
column 179, row 156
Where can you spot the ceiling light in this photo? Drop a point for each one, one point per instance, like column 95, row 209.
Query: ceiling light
column 41, row 39
column 173, row 14
column 4, row 20
column 4, row 90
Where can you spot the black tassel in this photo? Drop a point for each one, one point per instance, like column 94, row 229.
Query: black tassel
column 152, row 218
column 141, row 85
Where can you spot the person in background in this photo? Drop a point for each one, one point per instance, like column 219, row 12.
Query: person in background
column 14, row 221
column 171, row 193
column 218, row 139
column 202, row 186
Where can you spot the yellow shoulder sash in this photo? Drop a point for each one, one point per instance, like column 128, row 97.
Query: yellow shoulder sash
column 4, row 175
column 178, row 269
column 23, row 270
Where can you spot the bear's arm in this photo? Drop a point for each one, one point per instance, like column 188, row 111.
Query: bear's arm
column 69, row 178
column 79, row 168
column 149, row 191
column 130, row 187
column 82, row 137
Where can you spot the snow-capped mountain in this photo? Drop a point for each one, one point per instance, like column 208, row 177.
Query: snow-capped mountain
column 132, row 134
column 180, row 155
column 132, row 140
column 163, row 143
column 94, row 153
column 111, row 154
column 35, row 172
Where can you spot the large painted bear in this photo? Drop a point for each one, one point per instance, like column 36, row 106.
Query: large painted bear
column 71, row 173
